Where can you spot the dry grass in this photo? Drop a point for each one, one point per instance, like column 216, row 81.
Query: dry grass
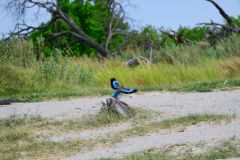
column 85, row 77
column 144, row 127
column 18, row 135
column 193, row 69
column 225, row 149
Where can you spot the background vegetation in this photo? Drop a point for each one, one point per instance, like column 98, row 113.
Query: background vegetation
column 189, row 59
column 182, row 68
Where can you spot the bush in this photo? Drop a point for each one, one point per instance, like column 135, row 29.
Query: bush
column 19, row 52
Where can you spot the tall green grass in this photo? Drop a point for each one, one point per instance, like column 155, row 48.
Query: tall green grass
column 201, row 69
column 191, row 54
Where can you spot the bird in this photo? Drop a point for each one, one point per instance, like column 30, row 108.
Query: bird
column 120, row 89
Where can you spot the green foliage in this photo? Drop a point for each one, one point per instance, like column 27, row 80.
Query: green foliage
column 91, row 17
column 149, row 36
column 226, row 48
column 236, row 20
column 194, row 34
column 190, row 54
column 69, row 77
column 18, row 51
column 184, row 68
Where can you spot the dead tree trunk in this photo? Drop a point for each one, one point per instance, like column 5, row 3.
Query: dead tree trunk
column 117, row 107
column 230, row 27
column 117, row 14
column 234, row 27
column 178, row 38
column 23, row 29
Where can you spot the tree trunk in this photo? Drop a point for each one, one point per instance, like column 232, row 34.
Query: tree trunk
column 22, row 29
column 233, row 25
column 103, row 52
column 81, row 35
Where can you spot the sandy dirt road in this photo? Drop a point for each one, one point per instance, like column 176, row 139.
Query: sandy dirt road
column 174, row 103
column 171, row 104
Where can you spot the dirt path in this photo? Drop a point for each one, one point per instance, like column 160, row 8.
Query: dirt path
column 154, row 140
column 179, row 104
column 91, row 134
column 171, row 104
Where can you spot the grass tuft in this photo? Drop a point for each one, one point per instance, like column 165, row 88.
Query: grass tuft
column 19, row 134
column 144, row 127
column 229, row 150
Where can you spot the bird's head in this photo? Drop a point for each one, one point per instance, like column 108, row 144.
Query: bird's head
column 113, row 79
column 111, row 82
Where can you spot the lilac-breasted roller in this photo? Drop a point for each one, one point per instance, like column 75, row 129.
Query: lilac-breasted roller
column 120, row 89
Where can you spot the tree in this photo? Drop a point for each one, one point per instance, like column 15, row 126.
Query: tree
column 149, row 37
column 115, row 18
column 221, row 30
column 74, row 21
column 233, row 26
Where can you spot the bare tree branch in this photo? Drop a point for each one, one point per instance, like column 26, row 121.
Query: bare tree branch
column 21, row 30
column 172, row 36
column 218, row 31
column 178, row 38
column 55, row 11
column 234, row 27
column 57, row 35
column 216, row 24
column 117, row 12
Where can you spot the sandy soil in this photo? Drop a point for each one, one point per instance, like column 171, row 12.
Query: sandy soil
column 154, row 140
column 178, row 104
column 171, row 104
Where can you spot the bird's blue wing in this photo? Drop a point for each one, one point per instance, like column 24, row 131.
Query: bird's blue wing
column 128, row 91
